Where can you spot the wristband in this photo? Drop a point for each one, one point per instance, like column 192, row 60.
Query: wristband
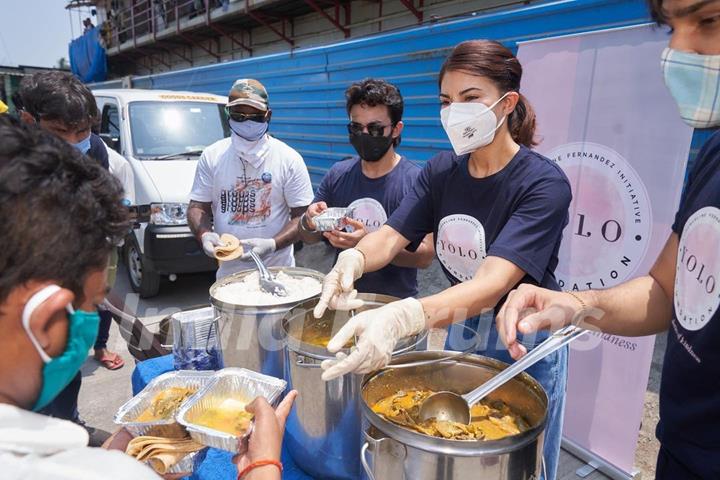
column 303, row 225
column 259, row 463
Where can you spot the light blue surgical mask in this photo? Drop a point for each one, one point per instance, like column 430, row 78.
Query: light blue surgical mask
column 694, row 83
column 59, row 371
column 249, row 129
column 83, row 145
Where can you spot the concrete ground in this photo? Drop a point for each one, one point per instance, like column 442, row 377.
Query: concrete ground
column 104, row 391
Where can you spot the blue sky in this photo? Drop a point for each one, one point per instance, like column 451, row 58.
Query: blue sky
column 36, row 32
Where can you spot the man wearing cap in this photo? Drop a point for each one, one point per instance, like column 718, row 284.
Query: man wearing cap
column 250, row 185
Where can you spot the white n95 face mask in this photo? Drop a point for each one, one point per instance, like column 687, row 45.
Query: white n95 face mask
column 469, row 125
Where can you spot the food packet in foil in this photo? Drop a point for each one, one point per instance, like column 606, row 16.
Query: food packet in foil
column 196, row 342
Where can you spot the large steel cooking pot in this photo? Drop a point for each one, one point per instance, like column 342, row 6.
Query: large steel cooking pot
column 251, row 336
column 323, row 431
column 392, row 452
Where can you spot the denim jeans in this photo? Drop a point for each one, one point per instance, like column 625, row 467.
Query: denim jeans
column 550, row 372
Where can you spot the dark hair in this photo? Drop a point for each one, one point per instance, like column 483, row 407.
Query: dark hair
column 373, row 92
column 489, row 59
column 59, row 209
column 657, row 13
column 58, row 96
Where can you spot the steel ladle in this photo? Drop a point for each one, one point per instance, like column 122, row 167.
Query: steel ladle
column 268, row 284
column 452, row 407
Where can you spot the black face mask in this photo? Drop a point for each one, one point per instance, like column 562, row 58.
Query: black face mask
column 371, row 148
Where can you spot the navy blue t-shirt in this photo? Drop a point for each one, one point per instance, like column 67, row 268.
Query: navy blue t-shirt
column 98, row 151
column 374, row 199
column 517, row 213
column 689, row 425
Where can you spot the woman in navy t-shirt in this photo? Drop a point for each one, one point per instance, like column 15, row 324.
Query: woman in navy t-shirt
column 497, row 210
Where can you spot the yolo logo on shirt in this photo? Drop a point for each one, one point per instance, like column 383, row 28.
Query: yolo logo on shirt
column 610, row 217
column 370, row 212
column 460, row 245
column 698, row 269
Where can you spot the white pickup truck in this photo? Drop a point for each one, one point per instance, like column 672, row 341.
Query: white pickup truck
column 162, row 134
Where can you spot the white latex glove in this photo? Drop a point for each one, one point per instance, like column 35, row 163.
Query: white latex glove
column 337, row 290
column 378, row 331
column 261, row 246
column 210, row 240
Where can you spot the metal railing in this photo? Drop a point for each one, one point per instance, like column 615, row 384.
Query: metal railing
column 145, row 17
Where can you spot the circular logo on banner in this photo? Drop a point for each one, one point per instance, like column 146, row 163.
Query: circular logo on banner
column 610, row 218
column 460, row 245
column 698, row 269
column 370, row 212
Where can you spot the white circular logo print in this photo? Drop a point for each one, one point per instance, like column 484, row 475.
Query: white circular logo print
column 370, row 212
column 460, row 245
column 698, row 270
column 610, row 219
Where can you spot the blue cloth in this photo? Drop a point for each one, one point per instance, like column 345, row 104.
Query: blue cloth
column 217, row 464
column 689, row 392
column 87, row 57
column 374, row 199
column 550, row 372
column 518, row 214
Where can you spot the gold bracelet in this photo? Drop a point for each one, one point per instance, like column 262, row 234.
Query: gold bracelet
column 583, row 306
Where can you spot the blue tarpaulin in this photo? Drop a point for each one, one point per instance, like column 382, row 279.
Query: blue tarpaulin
column 87, row 57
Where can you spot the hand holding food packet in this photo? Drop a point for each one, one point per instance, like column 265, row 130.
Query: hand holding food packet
column 181, row 413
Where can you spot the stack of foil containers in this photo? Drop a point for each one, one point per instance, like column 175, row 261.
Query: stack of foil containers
column 196, row 340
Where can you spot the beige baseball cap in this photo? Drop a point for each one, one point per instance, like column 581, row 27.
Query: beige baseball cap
column 248, row 91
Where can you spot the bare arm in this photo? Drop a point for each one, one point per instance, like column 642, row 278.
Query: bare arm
column 199, row 217
column 289, row 234
column 420, row 258
column 381, row 247
column 642, row 306
column 495, row 277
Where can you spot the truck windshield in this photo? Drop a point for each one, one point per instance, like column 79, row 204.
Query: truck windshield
column 174, row 130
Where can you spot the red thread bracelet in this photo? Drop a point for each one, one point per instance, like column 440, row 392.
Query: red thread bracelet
column 259, row 463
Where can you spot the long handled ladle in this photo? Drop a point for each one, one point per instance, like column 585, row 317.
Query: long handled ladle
column 452, row 407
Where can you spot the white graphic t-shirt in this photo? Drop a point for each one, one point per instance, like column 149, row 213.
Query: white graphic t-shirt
column 249, row 201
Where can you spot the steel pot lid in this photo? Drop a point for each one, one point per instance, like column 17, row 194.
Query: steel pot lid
column 300, row 324
column 523, row 394
column 262, row 309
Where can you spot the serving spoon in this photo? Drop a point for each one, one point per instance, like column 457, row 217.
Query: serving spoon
column 449, row 406
column 267, row 283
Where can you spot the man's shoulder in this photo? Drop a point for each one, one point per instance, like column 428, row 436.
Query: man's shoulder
column 344, row 166
column 218, row 148
column 408, row 166
column 283, row 150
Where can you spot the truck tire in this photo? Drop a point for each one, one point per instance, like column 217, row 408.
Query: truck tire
column 143, row 279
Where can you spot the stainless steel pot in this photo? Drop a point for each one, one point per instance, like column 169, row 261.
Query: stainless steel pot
column 251, row 336
column 392, row 452
column 323, row 432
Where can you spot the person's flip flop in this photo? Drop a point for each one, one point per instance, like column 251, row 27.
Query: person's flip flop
column 110, row 362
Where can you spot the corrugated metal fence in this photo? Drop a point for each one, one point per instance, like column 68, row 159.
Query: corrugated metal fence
column 306, row 87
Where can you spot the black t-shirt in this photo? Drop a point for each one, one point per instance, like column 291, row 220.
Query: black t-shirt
column 373, row 200
column 690, row 390
column 518, row 213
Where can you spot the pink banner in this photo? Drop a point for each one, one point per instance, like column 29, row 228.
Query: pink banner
column 607, row 119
